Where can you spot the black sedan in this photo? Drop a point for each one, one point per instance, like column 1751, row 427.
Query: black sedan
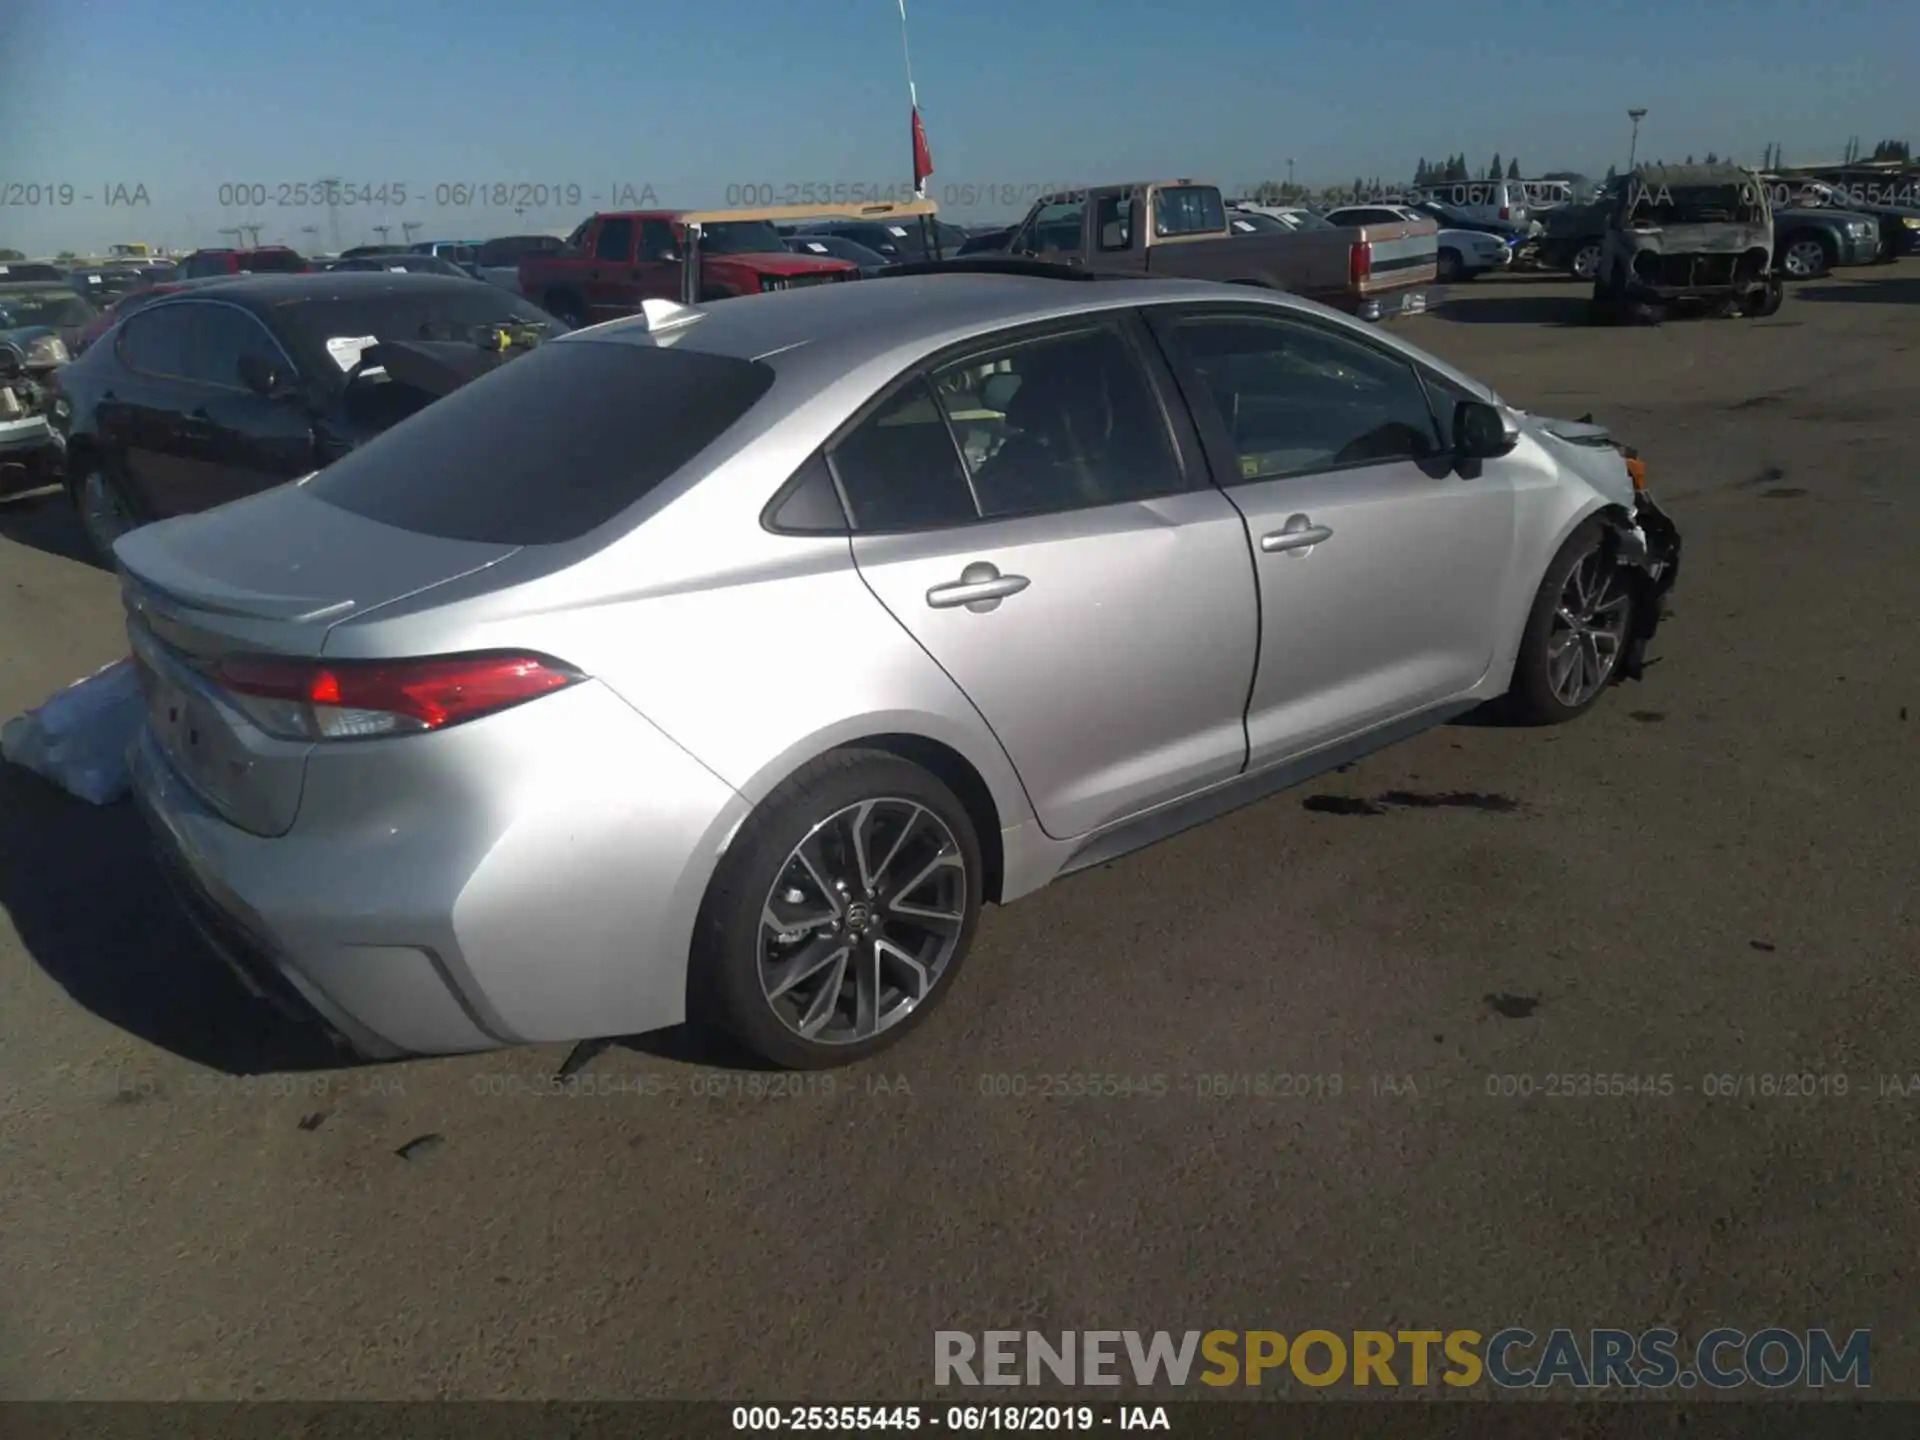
column 206, row 395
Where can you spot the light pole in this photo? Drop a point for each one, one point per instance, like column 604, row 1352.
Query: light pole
column 1636, row 115
column 408, row 228
column 1289, row 175
column 382, row 231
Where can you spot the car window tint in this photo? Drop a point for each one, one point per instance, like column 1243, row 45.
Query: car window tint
column 1113, row 220
column 1056, row 229
column 216, row 336
column 1297, row 398
column 615, row 422
column 656, row 240
column 899, row 471
column 1188, row 210
column 615, row 241
column 155, row 342
column 1057, row 424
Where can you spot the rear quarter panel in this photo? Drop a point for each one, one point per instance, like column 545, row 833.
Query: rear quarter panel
column 1311, row 263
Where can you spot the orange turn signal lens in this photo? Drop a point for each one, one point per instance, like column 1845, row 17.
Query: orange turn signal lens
column 1637, row 469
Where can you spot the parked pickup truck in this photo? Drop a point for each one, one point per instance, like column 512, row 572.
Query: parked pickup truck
column 615, row 261
column 1372, row 271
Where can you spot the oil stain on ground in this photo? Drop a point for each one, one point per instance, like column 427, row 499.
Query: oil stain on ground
column 1410, row 800
column 1513, row 1007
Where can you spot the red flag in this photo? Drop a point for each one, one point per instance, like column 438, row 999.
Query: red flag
column 922, row 156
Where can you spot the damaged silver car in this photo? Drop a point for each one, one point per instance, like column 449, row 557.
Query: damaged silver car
column 1687, row 235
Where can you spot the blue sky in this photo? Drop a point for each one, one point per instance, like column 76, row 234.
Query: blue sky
column 695, row 101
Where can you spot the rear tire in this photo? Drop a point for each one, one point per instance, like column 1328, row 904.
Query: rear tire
column 106, row 509
column 1585, row 260
column 1770, row 299
column 1448, row 269
column 1583, row 597
column 885, row 936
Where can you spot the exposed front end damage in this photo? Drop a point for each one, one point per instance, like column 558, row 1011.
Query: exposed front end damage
column 1688, row 236
column 31, row 450
column 1643, row 541
column 1646, row 548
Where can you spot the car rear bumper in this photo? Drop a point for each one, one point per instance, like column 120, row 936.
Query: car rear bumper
column 1394, row 303
column 531, row 876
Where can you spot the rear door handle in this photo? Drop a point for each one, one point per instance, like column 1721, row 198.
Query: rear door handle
column 1299, row 533
column 196, row 427
column 981, row 587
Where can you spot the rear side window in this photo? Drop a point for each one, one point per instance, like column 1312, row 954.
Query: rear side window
column 550, row 446
column 615, row 241
column 156, row 342
column 1188, row 210
column 900, row 471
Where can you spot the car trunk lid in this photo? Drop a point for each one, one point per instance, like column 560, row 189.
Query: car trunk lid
column 204, row 588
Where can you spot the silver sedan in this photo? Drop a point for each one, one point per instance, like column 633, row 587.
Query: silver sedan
column 719, row 664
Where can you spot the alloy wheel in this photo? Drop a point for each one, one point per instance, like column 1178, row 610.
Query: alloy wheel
column 1586, row 262
column 102, row 512
column 862, row 921
column 1589, row 630
column 1804, row 259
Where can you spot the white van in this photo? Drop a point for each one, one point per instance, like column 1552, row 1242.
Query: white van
column 1482, row 199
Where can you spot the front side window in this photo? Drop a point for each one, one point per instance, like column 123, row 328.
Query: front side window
column 156, row 342
column 1055, row 229
column 1114, row 222
column 1296, row 399
column 216, row 336
column 1061, row 423
column 615, row 241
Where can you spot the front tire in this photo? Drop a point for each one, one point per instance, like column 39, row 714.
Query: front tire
column 841, row 914
column 1807, row 257
column 1585, row 262
column 1577, row 632
column 1448, row 268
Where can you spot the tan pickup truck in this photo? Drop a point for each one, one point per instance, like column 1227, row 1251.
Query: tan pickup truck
column 1182, row 228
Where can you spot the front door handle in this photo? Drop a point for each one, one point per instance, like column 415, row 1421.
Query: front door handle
column 1299, row 534
column 196, row 427
column 981, row 587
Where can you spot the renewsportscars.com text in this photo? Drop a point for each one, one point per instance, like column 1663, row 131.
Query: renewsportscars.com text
column 1772, row 1358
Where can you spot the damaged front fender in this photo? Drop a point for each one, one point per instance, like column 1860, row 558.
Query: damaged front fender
column 1645, row 545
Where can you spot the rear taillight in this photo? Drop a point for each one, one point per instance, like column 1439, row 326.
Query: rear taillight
column 363, row 699
column 1360, row 263
column 1506, row 213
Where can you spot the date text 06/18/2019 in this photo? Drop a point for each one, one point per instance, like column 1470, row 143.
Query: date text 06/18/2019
column 1034, row 1419
column 476, row 194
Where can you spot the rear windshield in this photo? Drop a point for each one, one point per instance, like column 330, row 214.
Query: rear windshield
column 273, row 262
column 323, row 330
column 549, row 446
column 509, row 250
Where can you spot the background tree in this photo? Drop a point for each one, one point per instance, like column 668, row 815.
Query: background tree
column 1612, row 174
column 1494, row 169
column 1712, row 159
column 1513, row 169
column 1893, row 150
column 11, row 255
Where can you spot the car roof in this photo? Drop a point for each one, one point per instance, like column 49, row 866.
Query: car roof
column 259, row 291
column 821, row 331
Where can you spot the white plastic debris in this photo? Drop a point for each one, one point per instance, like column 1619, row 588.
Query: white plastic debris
column 79, row 738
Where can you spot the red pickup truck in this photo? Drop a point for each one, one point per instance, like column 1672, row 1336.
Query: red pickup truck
column 614, row 261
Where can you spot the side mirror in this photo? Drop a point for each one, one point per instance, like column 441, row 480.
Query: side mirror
column 262, row 376
column 1480, row 431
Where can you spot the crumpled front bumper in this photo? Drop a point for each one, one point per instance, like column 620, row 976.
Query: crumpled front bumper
column 1648, row 550
column 32, row 454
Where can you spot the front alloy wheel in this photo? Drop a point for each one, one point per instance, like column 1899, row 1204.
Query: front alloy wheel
column 1805, row 259
column 862, row 921
column 1589, row 631
column 1586, row 261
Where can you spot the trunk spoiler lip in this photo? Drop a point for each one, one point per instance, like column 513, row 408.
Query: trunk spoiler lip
column 144, row 595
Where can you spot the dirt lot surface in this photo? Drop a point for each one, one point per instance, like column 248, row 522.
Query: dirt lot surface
column 1713, row 875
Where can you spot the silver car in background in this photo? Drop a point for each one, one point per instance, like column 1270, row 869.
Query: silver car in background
column 721, row 663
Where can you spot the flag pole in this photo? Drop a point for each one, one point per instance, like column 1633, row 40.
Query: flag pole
column 913, row 99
